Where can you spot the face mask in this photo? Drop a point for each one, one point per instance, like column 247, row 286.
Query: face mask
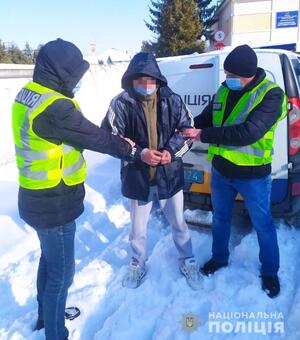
column 144, row 91
column 77, row 87
column 234, row 84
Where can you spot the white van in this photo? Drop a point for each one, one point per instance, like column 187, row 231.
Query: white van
column 196, row 78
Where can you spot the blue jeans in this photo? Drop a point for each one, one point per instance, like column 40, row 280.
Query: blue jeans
column 256, row 194
column 55, row 275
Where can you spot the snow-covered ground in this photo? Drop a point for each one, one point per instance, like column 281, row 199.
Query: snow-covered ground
column 231, row 304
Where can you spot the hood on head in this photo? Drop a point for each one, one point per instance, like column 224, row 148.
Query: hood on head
column 60, row 66
column 142, row 64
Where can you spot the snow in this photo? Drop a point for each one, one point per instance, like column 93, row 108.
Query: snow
column 157, row 309
column 193, row 217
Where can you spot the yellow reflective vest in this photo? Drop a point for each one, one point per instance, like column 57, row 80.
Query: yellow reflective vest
column 261, row 151
column 42, row 164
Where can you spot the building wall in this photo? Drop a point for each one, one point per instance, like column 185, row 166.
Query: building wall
column 259, row 22
column 283, row 34
column 254, row 22
column 225, row 22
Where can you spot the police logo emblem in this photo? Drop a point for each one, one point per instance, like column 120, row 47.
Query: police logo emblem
column 190, row 322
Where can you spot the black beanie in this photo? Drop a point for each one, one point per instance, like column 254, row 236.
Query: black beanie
column 241, row 61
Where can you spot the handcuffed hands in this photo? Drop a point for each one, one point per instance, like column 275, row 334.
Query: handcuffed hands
column 155, row 157
column 166, row 157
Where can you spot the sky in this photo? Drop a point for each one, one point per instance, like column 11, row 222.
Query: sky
column 110, row 23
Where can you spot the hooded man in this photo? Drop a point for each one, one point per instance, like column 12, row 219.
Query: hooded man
column 50, row 133
column 239, row 124
column 152, row 116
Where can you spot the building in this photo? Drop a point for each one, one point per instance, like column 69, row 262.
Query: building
column 258, row 23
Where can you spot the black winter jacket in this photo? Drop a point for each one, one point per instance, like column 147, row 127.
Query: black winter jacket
column 126, row 118
column 62, row 123
column 258, row 122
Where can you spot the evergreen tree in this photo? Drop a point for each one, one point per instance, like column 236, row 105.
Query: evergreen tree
column 148, row 46
column 177, row 26
column 206, row 12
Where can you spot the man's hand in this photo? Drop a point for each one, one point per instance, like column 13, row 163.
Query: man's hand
column 166, row 157
column 151, row 157
column 193, row 134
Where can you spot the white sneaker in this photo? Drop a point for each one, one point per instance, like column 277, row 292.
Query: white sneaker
column 191, row 272
column 134, row 276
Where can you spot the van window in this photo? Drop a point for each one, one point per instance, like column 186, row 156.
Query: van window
column 296, row 66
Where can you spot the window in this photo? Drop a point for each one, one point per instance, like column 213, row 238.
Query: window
column 296, row 66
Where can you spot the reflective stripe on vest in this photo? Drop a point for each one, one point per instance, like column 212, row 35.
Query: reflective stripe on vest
column 42, row 164
column 258, row 153
column 31, row 156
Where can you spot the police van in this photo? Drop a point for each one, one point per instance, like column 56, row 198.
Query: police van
column 196, row 78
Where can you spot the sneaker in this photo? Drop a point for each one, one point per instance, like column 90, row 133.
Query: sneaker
column 135, row 274
column 271, row 285
column 211, row 266
column 72, row 313
column 191, row 272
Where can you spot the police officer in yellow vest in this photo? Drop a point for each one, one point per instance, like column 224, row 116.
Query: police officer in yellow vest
column 50, row 133
column 239, row 126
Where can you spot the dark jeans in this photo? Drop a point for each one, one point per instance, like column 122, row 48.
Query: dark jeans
column 256, row 194
column 55, row 275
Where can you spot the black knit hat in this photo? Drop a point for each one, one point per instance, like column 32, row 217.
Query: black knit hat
column 241, row 61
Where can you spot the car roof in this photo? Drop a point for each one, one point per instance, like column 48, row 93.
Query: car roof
column 227, row 50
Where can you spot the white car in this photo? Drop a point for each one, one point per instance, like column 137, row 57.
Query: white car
column 196, row 78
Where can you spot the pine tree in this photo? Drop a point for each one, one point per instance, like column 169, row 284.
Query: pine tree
column 206, row 12
column 148, row 46
column 177, row 26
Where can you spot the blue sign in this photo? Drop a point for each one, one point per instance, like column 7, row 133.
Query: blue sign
column 287, row 19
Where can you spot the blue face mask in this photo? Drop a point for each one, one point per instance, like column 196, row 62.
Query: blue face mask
column 234, row 84
column 144, row 91
column 77, row 87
